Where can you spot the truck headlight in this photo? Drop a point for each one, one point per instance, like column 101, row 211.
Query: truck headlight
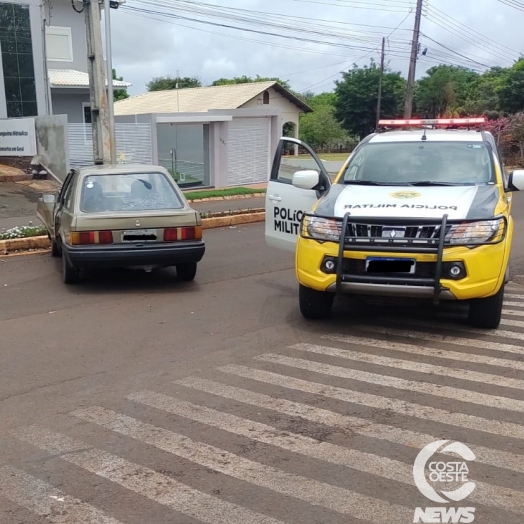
column 476, row 232
column 322, row 228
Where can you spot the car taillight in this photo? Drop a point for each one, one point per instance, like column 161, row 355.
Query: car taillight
column 91, row 237
column 182, row 233
column 105, row 237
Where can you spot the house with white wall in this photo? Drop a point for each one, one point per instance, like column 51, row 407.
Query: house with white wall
column 216, row 136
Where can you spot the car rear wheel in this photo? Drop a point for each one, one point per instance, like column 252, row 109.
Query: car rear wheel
column 55, row 250
column 315, row 304
column 486, row 312
column 186, row 272
column 70, row 274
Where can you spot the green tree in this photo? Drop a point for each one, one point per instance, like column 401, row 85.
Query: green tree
column 484, row 96
column 165, row 83
column 357, row 96
column 445, row 91
column 320, row 129
column 511, row 89
column 248, row 80
column 119, row 94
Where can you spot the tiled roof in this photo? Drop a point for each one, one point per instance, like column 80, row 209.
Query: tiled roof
column 200, row 99
column 72, row 78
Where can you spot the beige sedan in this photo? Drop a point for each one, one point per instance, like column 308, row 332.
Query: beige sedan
column 131, row 216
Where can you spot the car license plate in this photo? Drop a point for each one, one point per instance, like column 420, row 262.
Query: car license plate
column 139, row 235
column 390, row 265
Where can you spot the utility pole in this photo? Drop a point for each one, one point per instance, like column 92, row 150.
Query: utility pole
column 413, row 61
column 380, row 82
column 110, row 96
column 97, row 84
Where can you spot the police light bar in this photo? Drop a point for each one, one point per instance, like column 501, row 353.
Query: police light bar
column 432, row 121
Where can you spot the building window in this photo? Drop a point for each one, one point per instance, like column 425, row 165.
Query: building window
column 17, row 60
column 59, row 44
column 266, row 97
column 86, row 109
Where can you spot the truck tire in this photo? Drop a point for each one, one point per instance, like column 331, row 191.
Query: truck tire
column 486, row 312
column 314, row 304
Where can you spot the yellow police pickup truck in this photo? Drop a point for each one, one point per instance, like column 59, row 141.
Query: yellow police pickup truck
column 420, row 209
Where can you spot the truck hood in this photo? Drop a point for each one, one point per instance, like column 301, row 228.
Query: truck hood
column 458, row 202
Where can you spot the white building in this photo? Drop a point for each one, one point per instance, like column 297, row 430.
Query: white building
column 216, row 136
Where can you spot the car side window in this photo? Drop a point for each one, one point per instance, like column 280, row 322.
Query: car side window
column 68, row 195
column 66, row 185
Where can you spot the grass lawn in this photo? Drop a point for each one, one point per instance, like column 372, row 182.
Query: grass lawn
column 333, row 157
column 211, row 193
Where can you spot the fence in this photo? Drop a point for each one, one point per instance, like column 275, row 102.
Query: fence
column 185, row 173
column 133, row 144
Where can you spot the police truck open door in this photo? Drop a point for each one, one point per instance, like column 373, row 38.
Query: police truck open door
column 295, row 185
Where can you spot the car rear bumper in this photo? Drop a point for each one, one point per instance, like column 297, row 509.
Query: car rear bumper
column 134, row 255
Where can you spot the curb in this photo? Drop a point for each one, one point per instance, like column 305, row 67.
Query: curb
column 37, row 244
column 221, row 199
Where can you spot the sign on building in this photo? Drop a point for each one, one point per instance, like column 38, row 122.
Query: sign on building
column 17, row 137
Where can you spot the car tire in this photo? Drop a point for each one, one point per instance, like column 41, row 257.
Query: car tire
column 70, row 274
column 186, row 272
column 486, row 312
column 55, row 250
column 315, row 305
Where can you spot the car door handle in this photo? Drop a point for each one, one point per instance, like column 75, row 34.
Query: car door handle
column 274, row 198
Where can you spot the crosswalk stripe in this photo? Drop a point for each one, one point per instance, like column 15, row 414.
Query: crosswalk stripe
column 47, row 501
column 514, row 323
column 446, row 339
column 513, row 303
column 311, row 491
column 477, row 331
column 496, row 427
column 462, row 395
column 157, row 487
column 513, row 312
column 513, row 295
column 427, row 351
column 360, row 426
column 409, row 365
column 361, row 461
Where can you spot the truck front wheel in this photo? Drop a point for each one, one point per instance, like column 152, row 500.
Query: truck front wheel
column 486, row 312
column 315, row 304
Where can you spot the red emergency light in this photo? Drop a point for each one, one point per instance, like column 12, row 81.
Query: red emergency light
column 432, row 121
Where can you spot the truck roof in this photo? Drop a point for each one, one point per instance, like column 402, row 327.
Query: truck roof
column 432, row 135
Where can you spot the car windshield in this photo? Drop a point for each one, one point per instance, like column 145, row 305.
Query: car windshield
column 421, row 163
column 128, row 192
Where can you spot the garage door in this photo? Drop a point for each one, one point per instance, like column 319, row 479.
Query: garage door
column 249, row 150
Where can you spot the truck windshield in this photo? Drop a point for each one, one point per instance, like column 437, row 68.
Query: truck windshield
column 421, row 163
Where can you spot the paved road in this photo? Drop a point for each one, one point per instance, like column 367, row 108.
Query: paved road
column 135, row 399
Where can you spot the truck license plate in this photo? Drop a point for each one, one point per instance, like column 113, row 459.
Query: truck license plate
column 390, row 265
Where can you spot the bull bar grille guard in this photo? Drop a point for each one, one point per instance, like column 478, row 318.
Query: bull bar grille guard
column 416, row 245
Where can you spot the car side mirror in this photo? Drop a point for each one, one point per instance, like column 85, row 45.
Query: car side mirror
column 516, row 180
column 49, row 199
column 306, row 179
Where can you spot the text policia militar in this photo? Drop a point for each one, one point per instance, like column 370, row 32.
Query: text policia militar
column 287, row 221
column 403, row 206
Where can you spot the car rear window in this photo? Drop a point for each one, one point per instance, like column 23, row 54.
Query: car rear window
column 453, row 162
column 128, row 192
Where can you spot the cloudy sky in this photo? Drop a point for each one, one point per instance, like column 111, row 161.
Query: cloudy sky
column 306, row 42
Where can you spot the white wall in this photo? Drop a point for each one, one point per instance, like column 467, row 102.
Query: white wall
column 62, row 14
column 289, row 112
